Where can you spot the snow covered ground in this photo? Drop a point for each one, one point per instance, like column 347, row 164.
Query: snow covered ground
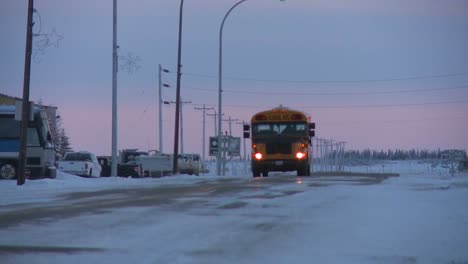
column 419, row 217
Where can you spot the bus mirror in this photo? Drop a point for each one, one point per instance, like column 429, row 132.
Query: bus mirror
column 311, row 125
column 49, row 137
column 246, row 134
column 246, row 127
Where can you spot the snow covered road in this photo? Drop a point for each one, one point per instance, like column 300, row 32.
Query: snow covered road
column 419, row 218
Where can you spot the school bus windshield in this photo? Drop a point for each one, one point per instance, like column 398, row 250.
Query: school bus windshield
column 276, row 129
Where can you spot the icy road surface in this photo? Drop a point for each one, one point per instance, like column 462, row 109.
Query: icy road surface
column 414, row 218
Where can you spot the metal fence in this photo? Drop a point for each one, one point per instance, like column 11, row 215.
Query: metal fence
column 328, row 155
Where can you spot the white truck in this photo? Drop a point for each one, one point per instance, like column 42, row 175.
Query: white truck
column 82, row 163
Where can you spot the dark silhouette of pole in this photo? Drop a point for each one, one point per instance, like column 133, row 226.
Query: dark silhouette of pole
column 182, row 102
column 114, row 90
column 176, row 127
column 26, row 107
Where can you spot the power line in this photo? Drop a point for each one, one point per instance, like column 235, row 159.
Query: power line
column 354, row 106
column 359, row 122
column 336, row 93
column 420, row 77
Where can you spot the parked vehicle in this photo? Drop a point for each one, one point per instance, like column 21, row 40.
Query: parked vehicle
column 82, row 163
column 126, row 164
column 155, row 164
column 136, row 163
column 160, row 164
column 190, row 164
column 105, row 162
column 40, row 153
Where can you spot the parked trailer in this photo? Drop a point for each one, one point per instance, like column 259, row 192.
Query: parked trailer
column 155, row 164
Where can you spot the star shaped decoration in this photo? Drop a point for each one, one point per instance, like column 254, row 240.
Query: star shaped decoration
column 54, row 38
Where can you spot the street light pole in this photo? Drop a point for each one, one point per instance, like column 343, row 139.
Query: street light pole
column 218, row 155
column 176, row 127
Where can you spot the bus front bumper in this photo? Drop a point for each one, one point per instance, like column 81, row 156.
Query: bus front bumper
column 278, row 165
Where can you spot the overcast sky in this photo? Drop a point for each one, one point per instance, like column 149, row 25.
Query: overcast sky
column 375, row 73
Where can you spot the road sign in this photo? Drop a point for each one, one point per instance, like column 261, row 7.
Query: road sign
column 231, row 145
column 234, row 146
column 213, row 146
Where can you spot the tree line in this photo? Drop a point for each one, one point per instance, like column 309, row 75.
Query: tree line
column 400, row 154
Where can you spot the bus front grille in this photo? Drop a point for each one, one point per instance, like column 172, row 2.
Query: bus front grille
column 278, row 148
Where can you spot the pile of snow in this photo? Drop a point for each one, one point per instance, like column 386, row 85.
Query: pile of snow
column 49, row 189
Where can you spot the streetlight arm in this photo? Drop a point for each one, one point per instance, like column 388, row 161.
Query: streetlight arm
column 218, row 156
column 227, row 14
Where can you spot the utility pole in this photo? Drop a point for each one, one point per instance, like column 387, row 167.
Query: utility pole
column 160, row 70
column 178, row 99
column 215, row 122
column 114, row 90
column 26, row 107
column 224, row 145
column 204, row 108
column 230, row 120
column 181, row 103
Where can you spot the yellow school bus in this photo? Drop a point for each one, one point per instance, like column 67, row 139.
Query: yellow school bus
column 281, row 141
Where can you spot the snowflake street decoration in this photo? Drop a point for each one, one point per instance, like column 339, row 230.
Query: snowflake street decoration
column 43, row 41
column 129, row 63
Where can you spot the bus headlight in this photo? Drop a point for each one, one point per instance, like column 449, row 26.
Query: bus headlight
column 300, row 155
column 258, row 156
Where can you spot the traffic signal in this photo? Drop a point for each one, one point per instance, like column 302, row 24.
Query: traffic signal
column 246, row 131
